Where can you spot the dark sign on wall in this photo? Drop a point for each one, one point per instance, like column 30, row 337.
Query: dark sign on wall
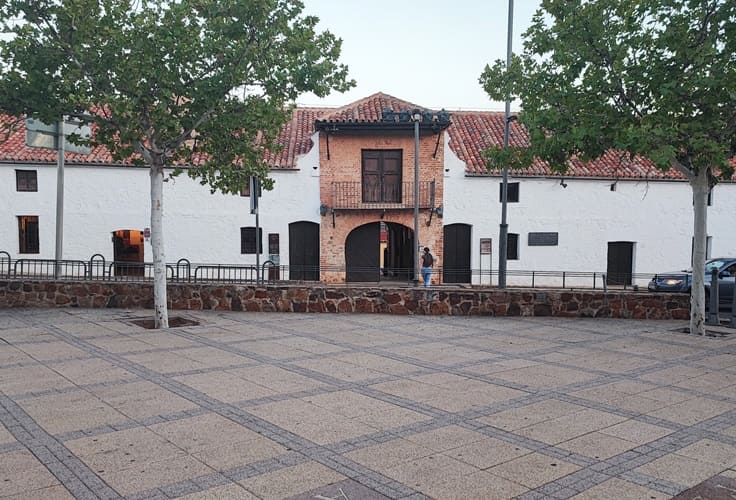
column 543, row 239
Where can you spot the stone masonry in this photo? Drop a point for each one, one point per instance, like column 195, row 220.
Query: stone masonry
column 437, row 301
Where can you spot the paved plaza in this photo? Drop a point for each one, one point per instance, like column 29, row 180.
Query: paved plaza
column 338, row 406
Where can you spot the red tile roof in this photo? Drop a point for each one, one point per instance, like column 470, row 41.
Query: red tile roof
column 368, row 109
column 471, row 133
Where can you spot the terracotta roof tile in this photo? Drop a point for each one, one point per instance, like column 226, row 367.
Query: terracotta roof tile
column 368, row 109
column 471, row 133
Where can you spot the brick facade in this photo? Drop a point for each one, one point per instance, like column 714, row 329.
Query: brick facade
column 344, row 165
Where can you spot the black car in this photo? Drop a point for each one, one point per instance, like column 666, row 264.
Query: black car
column 681, row 281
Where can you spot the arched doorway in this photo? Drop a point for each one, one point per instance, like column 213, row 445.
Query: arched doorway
column 304, row 251
column 128, row 254
column 456, row 254
column 365, row 253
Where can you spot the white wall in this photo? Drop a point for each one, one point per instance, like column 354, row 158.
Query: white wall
column 198, row 225
column 657, row 216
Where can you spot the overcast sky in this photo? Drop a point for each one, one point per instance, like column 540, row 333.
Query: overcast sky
column 430, row 52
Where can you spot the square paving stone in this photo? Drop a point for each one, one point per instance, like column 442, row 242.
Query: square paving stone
column 570, row 426
column 620, row 490
column 545, row 376
column 49, row 351
column 230, row 491
column 487, row 452
column 478, row 485
column 692, row 411
column 389, row 453
column 277, row 379
column 30, row 379
column 340, row 370
column 123, row 449
column 149, row 475
column 525, row 416
column 291, row 481
column 534, row 470
column 22, row 474
column 680, row 470
column 707, row 450
column 140, row 400
column 367, row 410
column 225, row 387
column 204, row 431
column 310, row 421
column 446, row 438
column 420, row 473
column 49, row 493
column 597, row 445
column 72, row 411
column 636, row 432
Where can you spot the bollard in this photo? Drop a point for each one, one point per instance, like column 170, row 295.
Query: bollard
column 714, row 300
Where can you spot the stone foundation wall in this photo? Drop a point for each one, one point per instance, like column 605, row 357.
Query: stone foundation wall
column 458, row 302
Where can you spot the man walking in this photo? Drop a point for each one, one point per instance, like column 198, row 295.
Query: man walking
column 427, row 263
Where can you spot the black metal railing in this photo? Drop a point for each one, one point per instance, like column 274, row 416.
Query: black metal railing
column 355, row 195
column 98, row 269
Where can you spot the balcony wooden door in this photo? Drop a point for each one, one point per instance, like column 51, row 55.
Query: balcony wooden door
column 381, row 176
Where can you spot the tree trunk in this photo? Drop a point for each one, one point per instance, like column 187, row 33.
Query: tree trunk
column 161, row 313
column 701, row 187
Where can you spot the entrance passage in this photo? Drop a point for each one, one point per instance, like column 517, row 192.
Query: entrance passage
column 620, row 262
column 128, row 252
column 456, row 254
column 367, row 259
column 304, row 251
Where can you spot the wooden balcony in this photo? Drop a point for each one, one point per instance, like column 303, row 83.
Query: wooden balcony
column 356, row 196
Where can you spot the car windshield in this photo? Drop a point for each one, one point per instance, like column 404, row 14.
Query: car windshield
column 714, row 264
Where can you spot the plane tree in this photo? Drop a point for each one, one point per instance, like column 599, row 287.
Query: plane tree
column 653, row 78
column 197, row 86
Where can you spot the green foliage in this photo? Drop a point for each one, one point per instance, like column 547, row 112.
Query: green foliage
column 182, row 82
column 650, row 77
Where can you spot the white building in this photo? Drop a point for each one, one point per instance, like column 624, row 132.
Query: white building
column 608, row 216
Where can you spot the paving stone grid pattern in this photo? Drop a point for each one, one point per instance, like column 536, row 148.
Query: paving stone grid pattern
column 268, row 405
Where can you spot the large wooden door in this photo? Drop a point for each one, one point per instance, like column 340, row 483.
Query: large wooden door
column 304, row 251
column 620, row 262
column 362, row 253
column 456, row 254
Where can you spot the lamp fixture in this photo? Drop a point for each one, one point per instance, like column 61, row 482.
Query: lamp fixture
column 563, row 183
column 323, row 208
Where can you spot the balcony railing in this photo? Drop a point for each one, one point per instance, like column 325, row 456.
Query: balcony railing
column 350, row 195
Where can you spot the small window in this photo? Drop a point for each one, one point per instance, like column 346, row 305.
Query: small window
column 28, row 234
column 512, row 246
column 26, row 180
column 248, row 240
column 512, row 192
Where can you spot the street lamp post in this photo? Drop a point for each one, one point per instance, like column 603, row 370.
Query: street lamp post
column 504, row 230
column 417, row 117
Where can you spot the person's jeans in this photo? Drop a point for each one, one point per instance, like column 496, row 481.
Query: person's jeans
column 427, row 276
